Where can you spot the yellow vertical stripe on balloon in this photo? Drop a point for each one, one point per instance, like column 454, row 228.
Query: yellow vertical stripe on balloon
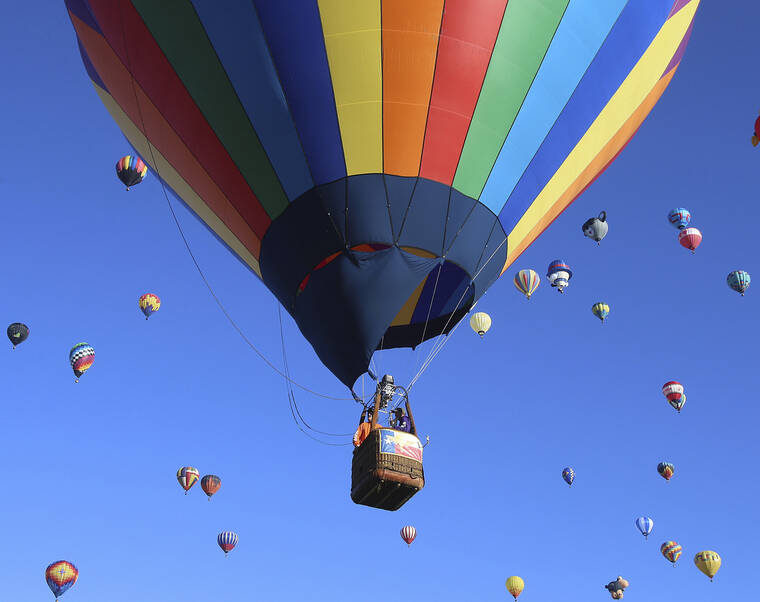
column 176, row 182
column 405, row 315
column 353, row 38
column 631, row 94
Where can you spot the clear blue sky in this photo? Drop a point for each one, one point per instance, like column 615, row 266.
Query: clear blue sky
column 89, row 468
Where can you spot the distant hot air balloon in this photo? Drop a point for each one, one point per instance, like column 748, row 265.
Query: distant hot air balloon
column 644, row 524
column 672, row 551
column 210, row 484
column 187, row 477
column 569, row 475
column 739, row 281
column 527, row 282
column 515, row 586
column 600, row 310
column 149, row 303
column 679, row 217
column 131, row 170
column 17, row 333
column 480, row 322
column 708, row 562
column 675, row 394
column 756, row 132
column 408, row 534
column 616, row 588
column 349, row 152
column 81, row 357
column 690, row 238
column 666, row 470
column 227, row 540
column 60, row 576
column 559, row 274
column 596, row 227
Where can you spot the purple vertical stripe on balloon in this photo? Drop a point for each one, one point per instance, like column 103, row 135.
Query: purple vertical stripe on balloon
column 679, row 52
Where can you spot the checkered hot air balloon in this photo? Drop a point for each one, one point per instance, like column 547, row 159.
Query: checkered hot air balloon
column 149, row 304
column 81, row 357
column 690, row 238
column 187, row 477
column 666, row 470
column 527, row 282
column 739, row 281
column 227, row 540
column 645, row 525
column 60, row 576
column 674, row 393
column 679, row 217
column 569, row 475
column 672, row 551
column 131, row 170
column 408, row 534
column 210, row 484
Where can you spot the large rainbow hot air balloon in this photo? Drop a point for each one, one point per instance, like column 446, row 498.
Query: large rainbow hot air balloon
column 378, row 164
column 672, row 551
column 60, row 576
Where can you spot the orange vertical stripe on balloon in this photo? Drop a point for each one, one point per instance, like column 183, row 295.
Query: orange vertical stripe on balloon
column 410, row 42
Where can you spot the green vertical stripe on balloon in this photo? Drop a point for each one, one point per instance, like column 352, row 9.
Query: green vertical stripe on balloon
column 524, row 37
column 176, row 28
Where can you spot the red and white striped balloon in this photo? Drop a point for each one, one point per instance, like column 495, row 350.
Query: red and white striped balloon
column 408, row 534
column 690, row 238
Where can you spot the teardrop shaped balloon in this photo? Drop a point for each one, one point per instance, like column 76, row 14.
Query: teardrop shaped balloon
column 527, row 282
column 596, row 228
column 674, row 393
column 666, row 470
column 210, row 484
column 379, row 164
column 408, row 534
column 149, row 304
column 187, row 476
column 480, row 322
column 17, row 333
column 679, row 217
column 600, row 310
column 81, row 357
column 568, row 474
column 645, row 525
column 739, row 281
column 671, row 550
column 708, row 562
column 227, row 540
column 515, row 586
column 60, row 576
column 131, row 170
column 690, row 238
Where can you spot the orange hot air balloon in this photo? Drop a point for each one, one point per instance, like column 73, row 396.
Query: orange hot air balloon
column 211, row 484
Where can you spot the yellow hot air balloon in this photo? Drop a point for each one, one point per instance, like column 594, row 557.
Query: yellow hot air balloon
column 515, row 586
column 708, row 562
column 480, row 322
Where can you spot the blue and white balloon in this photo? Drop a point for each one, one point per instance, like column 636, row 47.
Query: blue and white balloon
column 644, row 524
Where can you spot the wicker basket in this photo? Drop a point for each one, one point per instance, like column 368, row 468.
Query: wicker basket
column 385, row 481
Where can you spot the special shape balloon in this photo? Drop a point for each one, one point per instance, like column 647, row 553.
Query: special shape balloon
column 708, row 562
column 645, row 525
column 559, row 274
column 480, row 322
column 739, row 281
column 408, row 534
column 616, row 588
column 600, row 310
column 515, row 586
column 187, row 476
column 596, row 227
column 672, row 551
column 17, row 333
column 227, row 540
column 666, row 470
column 674, row 393
column 60, row 576
column 210, row 484
column 149, row 304
column 81, row 357
column 568, row 474
column 131, row 170
column 527, row 282
column 379, row 164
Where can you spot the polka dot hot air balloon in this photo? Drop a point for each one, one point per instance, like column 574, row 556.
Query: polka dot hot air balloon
column 210, row 484
column 81, row 357
column 149, row 304
column 674, row 393
column 379, row 164
column 131, row 170
column 60, row 576
column 690, row 238
column 527, row 282
column 408, row 534
column 739, row 281
column 227, row 540
column 187, row 477
column 672, row 551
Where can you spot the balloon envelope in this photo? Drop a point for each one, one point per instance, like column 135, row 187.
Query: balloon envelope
column 131, row 170
column 81, row 357
column 527, row 282
column 187, row 476
column 17, row 333
column 739, row 281
column 671, row 550
column 408, row 534
column 568, row 474
column 60, row 576
column 690, row 238
column 645, row 525
column 210, row 484
column 515, row 586
column 666, row 470
column 600, row 310
column 679, row 217
column 596, row 228
column 708, row 562
column 480, row 322
column 227, row 540
column 149, row 303
column 379, row 164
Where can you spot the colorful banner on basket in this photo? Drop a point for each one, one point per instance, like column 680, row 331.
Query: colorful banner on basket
column 401, row 444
